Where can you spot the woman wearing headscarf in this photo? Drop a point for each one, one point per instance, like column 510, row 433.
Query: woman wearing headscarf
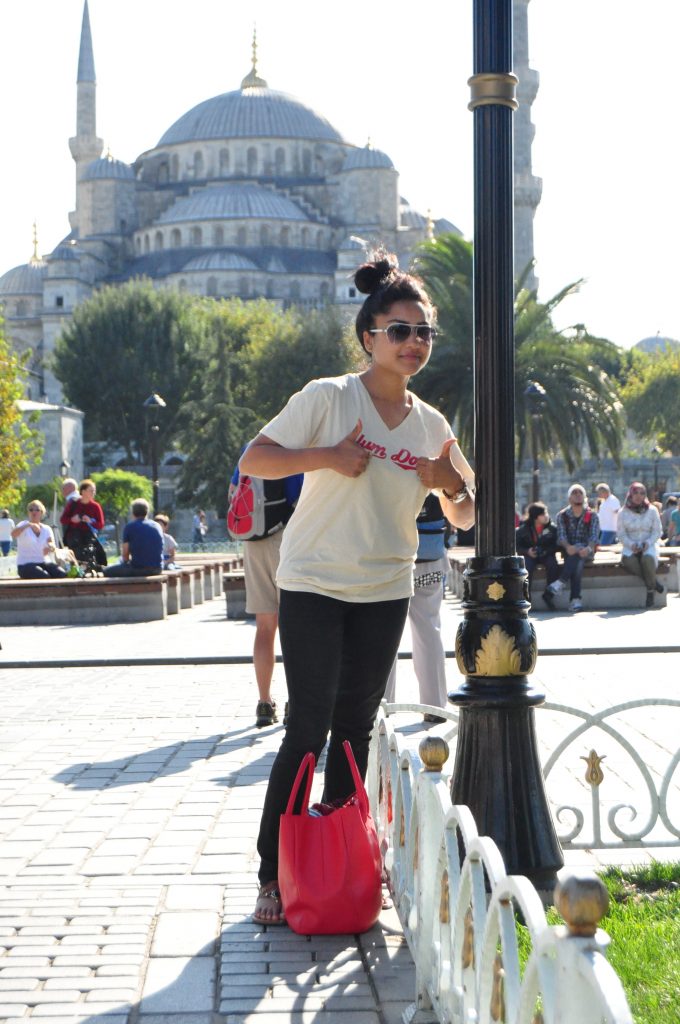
column 639, row 530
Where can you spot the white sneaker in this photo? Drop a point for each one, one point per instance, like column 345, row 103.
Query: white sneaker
column 557, row 587
column 576, row 605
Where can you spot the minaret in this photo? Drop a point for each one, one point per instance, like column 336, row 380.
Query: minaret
column 527, row 187
column 85, row 146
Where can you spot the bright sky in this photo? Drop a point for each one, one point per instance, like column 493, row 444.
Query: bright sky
column 605, row 116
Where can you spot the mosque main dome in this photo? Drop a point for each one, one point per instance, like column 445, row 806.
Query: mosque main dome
column 253, row 111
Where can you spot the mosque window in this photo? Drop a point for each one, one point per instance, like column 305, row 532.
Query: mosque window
column 138, row 244
column 158, row 241
column 304, row 237
column 323, row 291
column 264, row 235
column 280, row 160
column 224, row 161
column 307, row 161
column 243, row 287
column 218, row 235
column 211, row 288
column 147, row 244
column 174, row 163
column 284, row 236
column 198, row 164
column 21, row 308
column 196, row 236
column 163, row 174
column 319, row 239
column 294, row 290
column 269, row 290
column 252, row 160
column 59, row 301
column 352, row 293
column 241, row 236
column 176, row 238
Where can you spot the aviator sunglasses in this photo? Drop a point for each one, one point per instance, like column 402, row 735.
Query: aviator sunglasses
column 399, row 333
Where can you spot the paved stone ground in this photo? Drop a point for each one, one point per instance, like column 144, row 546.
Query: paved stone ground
column 129, row 803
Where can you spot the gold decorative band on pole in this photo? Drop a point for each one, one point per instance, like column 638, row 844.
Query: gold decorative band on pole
column 493, row 88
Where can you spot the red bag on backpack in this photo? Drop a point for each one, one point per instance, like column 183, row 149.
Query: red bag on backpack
column 330, row 869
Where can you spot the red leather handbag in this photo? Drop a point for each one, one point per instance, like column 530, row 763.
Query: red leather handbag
column 330, row 867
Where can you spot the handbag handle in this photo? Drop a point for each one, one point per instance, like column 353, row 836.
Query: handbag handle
column 307, row 765
column 362, row 796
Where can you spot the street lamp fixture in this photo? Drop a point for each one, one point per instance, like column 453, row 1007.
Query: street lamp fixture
column 656, row 455
column 153, row 406
column 535, row 396
column 64, row 468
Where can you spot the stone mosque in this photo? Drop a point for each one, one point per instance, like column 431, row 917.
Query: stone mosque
column 251, row 193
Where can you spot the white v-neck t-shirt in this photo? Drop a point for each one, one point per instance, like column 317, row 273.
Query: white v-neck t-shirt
column 355, row 538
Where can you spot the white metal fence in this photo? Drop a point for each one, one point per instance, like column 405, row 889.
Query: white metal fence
column 459, row 909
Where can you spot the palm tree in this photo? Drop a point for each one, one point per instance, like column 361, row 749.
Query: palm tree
column 581, row 407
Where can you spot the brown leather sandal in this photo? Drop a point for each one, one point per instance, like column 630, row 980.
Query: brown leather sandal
column 268, row 900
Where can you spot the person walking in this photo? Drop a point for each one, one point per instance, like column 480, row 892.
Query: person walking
column 7, row 524
column 260, row 565
column 424, row 611
column 370, row 450
column 608, row 506
column 578, row 532
column 639, row 532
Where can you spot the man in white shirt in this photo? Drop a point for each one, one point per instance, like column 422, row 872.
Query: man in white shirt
column 608, row 506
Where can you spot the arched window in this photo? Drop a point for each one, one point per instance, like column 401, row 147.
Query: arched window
column 198, row 164
column 21, row 307
column 174, row 164
column 304, row 237
column 163, row 173
column 211, row 288
column 306, row 161
column 243, row 287
column 241, row 236
column 224, row 162
column 284, row 236
column 147, row 244
column 196, row 236
column 138, row 244
column 252, row 160
column 280, row 160
column 218, row 235
column 269, row 290
column 319, row 239
column 294, row 290
column 265, row 237
column 158, row 240
column 176, row 238
column 323, row 292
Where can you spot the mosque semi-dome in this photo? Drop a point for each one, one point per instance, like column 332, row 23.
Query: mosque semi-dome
column 359, row 159
column 248, row 113
column 220, row 261
column 107, row 167
column 232, row 202
column 26, row 279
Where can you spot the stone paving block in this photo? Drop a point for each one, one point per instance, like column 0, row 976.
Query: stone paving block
column 185, row 933
column 175, row 1018
column 108, row 865
column 18, row 984
column 175, row 984
column 190, row 896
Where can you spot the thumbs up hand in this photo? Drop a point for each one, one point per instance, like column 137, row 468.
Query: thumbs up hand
column 348, row 457
column 439, row 472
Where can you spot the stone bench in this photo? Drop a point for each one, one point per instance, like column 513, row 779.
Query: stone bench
column 605, row 583
column 234, row 587
column 70, row 602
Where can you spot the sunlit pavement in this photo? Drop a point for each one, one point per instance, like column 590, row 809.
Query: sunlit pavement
column 129, row 803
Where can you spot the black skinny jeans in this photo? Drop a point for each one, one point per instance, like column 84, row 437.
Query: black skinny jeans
column 337, row 656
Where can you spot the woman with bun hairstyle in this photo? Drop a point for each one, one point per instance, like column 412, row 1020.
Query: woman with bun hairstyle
column 370, row 451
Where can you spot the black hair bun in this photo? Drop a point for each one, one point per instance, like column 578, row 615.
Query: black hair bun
column 371, row 276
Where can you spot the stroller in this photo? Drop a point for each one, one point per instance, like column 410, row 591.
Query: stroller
column 87, row 548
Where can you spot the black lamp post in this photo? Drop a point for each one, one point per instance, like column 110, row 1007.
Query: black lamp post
column 535, row 396
column 497, row 772
column 152, row 407
column 656, row 455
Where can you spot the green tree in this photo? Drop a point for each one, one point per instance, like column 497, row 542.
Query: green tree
column 20, row 441
column 582, row 406
column 121, row 345
column 651, row 397
column 118, row 488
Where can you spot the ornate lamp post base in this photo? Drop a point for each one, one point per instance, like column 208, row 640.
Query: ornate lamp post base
column 497, row 771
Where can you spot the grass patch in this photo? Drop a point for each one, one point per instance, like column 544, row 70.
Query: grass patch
column 643, row 923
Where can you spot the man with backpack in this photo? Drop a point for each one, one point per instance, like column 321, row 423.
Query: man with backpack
column 258, row 512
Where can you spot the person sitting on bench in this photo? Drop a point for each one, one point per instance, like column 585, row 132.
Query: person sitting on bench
column 142, row 553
